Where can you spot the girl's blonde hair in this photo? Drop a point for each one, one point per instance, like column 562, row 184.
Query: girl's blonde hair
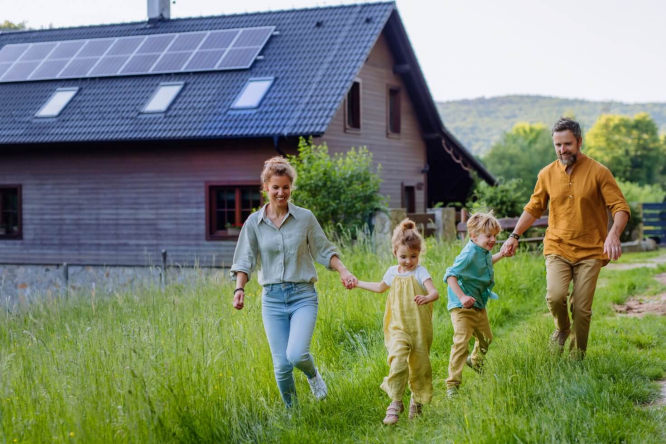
column 485, row 223
column 278, row 166
column 407, row 234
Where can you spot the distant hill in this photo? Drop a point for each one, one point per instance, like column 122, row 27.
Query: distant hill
column 479, row 123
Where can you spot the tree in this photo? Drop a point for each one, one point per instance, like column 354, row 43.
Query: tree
column 342, row 191
column 521, row 154
column 630, row 148
column 9, row 25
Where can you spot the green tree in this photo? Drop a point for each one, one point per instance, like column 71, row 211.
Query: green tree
column 342, row 191
column 630, row 148
column 9, row 25
column 505, row 198
column 521, row 154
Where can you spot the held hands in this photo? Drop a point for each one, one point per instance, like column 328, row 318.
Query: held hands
column 509, row 247
column 467, row 301
column 612, row 247
column 348, row 280
column 239, row 299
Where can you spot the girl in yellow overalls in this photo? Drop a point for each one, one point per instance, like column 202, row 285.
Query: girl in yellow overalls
column 407, row 323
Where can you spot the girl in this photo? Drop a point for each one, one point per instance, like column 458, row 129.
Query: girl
column 283, row 241
column 407, row 323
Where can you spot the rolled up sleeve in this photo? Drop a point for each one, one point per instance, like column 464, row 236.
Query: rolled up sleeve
column 245, row 256
column 321, row 249
column 611, row 193
column 457, row 268
column 539, row 200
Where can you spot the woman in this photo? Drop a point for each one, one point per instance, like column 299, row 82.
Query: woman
column 284, row 240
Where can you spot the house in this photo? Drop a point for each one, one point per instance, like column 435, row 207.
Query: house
column 120, row 141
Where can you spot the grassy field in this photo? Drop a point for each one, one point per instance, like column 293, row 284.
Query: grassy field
column 183, row 366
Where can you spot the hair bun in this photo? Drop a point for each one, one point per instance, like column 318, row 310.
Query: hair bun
column 407, row 224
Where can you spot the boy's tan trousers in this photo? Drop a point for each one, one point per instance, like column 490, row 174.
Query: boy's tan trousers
column 467, row 322
column 559, row 273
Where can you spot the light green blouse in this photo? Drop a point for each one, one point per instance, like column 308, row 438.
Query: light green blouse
column 286, row 254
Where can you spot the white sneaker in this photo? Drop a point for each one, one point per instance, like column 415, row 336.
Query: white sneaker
column 318, row 386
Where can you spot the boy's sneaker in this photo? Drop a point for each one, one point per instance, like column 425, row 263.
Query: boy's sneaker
column 393, row 412
column 452, row 392
column 476, row 368
column 415, row 409
column 318, row 386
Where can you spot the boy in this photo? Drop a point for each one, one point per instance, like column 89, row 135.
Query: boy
column 470, row 281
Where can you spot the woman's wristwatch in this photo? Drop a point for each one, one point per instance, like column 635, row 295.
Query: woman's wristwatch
column 514, row 235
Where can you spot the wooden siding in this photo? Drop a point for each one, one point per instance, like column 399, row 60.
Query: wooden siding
column 121, row 205
column 402, row 157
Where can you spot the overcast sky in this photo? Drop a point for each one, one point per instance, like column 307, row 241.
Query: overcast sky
column 589, row 49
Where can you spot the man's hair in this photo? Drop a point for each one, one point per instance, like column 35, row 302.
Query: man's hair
column 566, row 123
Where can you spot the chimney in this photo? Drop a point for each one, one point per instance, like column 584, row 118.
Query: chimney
column 159, row 10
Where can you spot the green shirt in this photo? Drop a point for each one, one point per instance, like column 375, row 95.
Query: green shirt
column 474, row 269
column 284, row 254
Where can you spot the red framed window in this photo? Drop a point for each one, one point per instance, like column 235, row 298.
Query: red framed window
column 393, row 107
column 228, row 207
column 10, row 212
column 353, row 108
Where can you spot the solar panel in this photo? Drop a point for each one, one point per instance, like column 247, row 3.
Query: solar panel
column 133, row 55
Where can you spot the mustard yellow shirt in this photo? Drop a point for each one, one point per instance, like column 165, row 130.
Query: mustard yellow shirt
column 578, row 220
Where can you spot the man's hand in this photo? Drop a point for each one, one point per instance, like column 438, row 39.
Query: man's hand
column 612, row 246
column 467, row 301
column 509, row 247
column 348, row 280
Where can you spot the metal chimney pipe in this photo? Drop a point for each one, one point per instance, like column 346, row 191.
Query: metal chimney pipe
column 159, row 10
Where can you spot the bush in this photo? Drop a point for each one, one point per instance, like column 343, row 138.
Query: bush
column 506, row 199
column 342, row 191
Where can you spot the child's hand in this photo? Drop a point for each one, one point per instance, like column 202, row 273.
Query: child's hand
column 422, row 300
column 467, row 301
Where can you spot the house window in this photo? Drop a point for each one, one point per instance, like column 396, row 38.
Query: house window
column 228, row 208
column 409, row 199
column 10, row 212
column 353, row 108
column 163, row 97
column 253, row 93
column 393, row 108
column 57, row 102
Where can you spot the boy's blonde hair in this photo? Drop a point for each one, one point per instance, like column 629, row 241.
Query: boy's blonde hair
column 485, row 223
column 407, row 234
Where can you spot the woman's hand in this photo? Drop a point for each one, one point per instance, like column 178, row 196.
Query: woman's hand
column 348, row 279
column 239, row 299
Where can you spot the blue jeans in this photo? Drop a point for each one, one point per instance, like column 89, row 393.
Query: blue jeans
column 289, row 311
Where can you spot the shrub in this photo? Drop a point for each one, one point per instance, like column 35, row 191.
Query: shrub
column 342, row 191
column 506, row 199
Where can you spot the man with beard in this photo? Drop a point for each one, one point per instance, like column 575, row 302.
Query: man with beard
column 577, row 243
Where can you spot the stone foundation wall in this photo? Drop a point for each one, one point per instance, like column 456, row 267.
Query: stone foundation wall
column 30, row 282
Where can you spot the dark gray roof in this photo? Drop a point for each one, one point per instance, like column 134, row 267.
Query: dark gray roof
column 314, row 59
column 313, row 67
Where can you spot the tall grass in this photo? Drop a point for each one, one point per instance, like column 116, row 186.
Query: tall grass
column 183, row 366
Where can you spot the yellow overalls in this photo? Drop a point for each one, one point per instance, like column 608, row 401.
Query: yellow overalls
column 408, row 337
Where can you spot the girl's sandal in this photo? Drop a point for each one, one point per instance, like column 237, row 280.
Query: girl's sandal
column 415, row 409
column 393, row 412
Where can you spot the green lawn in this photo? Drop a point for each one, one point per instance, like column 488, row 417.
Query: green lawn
column 185, row 367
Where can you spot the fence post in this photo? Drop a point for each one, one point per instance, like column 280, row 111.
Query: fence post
column 164, row 269
column 65, row 272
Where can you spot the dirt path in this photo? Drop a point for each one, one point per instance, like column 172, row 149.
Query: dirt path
column 648, row 263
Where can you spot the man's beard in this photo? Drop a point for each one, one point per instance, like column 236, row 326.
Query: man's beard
column 570, row 161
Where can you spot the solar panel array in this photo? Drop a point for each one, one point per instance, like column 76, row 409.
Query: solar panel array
column 134, row 55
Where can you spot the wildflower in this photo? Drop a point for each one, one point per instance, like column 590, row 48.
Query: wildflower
column 71, row 434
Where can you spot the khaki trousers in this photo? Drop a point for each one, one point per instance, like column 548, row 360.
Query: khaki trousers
column 467, row 322
column 559, row 273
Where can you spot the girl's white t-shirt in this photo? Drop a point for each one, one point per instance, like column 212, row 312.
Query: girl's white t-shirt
column 420, row 272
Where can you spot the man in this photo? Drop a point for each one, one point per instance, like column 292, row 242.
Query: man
column 577, row 242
